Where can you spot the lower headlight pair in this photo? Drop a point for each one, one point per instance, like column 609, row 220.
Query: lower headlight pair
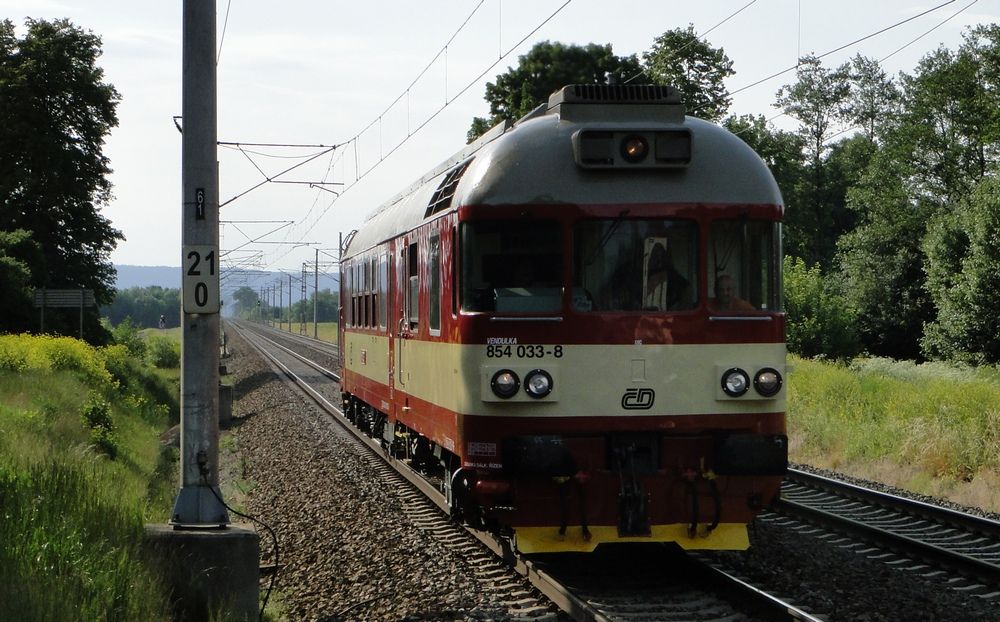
column 537, row 384
column 736, row 382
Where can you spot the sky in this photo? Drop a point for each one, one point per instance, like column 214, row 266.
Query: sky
column 315, row 72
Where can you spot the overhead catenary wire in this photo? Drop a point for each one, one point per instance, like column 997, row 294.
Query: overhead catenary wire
column 448, row 100
column 702, row 35
column 880, row 61
column 430, row 118
column 843, row 47
column 918, row 38
column 311, row 220
column 222, row 38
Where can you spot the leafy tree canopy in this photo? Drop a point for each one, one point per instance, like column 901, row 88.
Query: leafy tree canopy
column 143, row 306
column 246, row 299
column 909, row 260
column 546, row 68
column 819, row 321
column 873, row 102
column 15, row 278
column 681, row 59
column 56, row 109
column 964, row 279
column 817, row 100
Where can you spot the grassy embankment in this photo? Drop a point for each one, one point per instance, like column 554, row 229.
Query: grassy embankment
column 930, row 428
column 327, row 331
column 81, row 472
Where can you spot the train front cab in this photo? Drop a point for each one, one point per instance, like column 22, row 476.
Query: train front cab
column 539, row 346
column 617, row 403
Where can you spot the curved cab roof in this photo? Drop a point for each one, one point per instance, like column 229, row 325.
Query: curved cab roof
column 533, row 162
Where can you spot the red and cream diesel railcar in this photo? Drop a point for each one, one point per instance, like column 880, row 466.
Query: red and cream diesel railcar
column 577, row 322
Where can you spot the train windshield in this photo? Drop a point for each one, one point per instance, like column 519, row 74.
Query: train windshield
column 744, row 266
column 511, row 267
column 635, row 265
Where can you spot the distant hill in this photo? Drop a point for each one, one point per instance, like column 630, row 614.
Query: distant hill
column 147, row 276
column 170, row 277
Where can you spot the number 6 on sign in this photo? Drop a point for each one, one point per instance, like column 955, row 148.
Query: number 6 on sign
column 201, row 279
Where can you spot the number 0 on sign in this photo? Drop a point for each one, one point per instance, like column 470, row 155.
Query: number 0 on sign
column 201, row 279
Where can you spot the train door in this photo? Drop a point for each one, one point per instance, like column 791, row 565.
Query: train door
column 406, row 307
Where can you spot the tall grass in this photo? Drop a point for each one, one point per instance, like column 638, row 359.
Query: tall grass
column 72, row 512
column 941, row 419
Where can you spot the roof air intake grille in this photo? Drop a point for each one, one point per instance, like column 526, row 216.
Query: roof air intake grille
column 616, row 94
column 441, row 199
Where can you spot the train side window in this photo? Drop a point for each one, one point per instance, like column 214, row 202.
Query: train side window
column 454, row 273
column 412, row 287
column 373, row 287
column 383, row 286
column 348, row 295
column 744, row 266
column 359, row 320
column 365, row 294
column 434, row 284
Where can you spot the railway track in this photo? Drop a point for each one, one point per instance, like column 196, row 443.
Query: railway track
column 960, row 549
column 660, row 584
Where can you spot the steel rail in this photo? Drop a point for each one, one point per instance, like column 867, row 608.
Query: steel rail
column 579, row 609
column 905, row 511
column 542, row 581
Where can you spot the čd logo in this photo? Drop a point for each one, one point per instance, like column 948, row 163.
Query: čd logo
column 638, row 399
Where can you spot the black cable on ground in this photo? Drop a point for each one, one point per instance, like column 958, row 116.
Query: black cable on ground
column 274, row 538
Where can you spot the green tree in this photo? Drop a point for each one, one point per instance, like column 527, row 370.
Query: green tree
column 326, row 307
column 820, row 323
column 56, row 111
column 951, row 124
column 144, row 306
column 816, row 100
column 881, row 260
column 873, row 103
column 127, row 334
column 246, row 300
column 963, row 249
column 546, row 68
column 679, row 58
column 942, row 144
column 15, row 279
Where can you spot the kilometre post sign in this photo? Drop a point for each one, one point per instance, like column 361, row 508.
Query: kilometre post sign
column 201, row 279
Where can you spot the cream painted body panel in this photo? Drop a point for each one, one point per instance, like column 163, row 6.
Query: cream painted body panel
column 589, row 380
column 367, row 355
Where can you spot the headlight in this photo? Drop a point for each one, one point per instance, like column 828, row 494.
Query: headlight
column 767, row 382
column 538, row 383
column 735, row 382
column 505, row 383
column 634, row 148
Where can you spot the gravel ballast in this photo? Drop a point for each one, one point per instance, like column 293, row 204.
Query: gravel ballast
column 350, row 549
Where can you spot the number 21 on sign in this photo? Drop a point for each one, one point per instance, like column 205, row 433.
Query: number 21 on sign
column 201, row 279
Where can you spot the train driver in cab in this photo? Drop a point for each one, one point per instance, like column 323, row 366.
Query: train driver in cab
column 726, row 298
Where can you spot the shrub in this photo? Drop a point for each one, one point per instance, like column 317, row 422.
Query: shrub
column 97, row 416
column 73, row 355
column 164, row 352
column 963, row 277
column 127, row 334
column 819, row 322
column 12, row 357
